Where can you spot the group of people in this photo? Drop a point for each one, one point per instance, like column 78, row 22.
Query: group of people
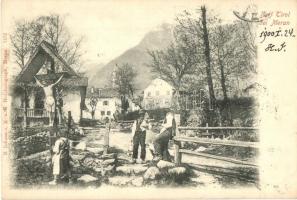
column 159, row 144
column 158, row 147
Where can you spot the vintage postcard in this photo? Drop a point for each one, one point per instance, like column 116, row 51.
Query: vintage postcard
column 127, row 99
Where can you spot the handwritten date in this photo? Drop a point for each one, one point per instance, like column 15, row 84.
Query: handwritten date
column 277, row 33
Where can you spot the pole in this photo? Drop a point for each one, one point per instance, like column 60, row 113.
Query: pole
column 106, row 138
column 69, row 123
column 178, row 156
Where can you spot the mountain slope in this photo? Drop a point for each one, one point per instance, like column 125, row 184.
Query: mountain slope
column 136, row 56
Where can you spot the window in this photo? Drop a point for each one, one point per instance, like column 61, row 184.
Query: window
column 168, row 92
column 108, row 113
column 149, row 94
column 166, row 102
column 157, row 93
column 105, row 103
column 102, row 113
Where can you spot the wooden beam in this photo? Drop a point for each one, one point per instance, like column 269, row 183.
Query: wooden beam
column 218, row 142
column 177, row 153
column 231, row 160
column 241, row 174
column 217, row 128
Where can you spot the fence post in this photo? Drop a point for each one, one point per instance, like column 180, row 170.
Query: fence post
column 177, row 156
column 69, row 123
column 106, row 138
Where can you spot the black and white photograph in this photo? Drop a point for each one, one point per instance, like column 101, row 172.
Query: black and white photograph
column 147, row 95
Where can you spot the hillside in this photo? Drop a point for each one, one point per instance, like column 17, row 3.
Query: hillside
column 136, row 56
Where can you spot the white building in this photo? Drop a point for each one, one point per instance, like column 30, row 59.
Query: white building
column 108, row 103
column 158, row 94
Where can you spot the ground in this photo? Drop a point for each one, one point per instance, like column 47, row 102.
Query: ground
column 92, row 170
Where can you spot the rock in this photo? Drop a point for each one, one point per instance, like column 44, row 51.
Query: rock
column 139, row 169
column 201, row 148
column 108, row 156
column 164, row 164
column 87, row 178
column 109, row 168
column 95, row 150
column 124, row 157
column 151, row 173
column 81, row 146
column 119, row 180
column 137, row 182
column 125, row 169
column 108, row 161
column 132, row 169
column 105, row 170
column 77, row 157
column 177, row 170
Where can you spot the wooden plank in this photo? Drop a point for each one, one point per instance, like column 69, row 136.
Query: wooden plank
column 126, row 122
column 217, row 128
column 217, row 142
column 177, row 156
column 231, row 160
column 241, row 174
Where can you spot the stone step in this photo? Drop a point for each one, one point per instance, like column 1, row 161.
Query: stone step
column 136, row 181
column 132, row 169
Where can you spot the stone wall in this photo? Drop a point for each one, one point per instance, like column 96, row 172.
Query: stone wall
column 27, row 145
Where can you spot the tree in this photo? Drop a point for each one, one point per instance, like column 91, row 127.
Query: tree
column 124, row 83
column 176, row 63
column 207, row 56
column 24, row 40
column 93, row 103
column 56, row 32
column 28, row 34
column 198, row 27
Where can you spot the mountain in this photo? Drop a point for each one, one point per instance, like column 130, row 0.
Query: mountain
column 136, row 56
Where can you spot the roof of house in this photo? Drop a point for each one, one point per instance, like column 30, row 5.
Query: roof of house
column 102, row 92
column 156, row 81
column 36, row 61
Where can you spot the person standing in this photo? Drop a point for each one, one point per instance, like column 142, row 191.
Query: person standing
column 61, row 160
column 138, row 136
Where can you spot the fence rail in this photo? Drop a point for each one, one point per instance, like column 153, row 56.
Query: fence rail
column 32, row 113
column 235, row 143
column 217, row 128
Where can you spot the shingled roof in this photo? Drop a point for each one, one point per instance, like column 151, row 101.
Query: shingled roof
column 36, row 61
column 102, row 93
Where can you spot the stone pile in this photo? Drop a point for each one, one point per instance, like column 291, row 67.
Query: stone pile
column 160, row 173
column 33, row 170
column 100, row 164
column 27, row 145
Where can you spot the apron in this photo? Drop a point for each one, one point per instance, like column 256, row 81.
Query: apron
column 61, row 157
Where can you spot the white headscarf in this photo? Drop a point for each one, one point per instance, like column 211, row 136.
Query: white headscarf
column 168, row 124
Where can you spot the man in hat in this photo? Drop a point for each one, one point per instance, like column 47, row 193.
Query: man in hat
column 138, row 135
column 61, row 159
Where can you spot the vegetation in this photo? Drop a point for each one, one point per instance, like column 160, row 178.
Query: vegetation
column 207, row 53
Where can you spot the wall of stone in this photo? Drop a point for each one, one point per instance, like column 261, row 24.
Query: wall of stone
column 27, row 145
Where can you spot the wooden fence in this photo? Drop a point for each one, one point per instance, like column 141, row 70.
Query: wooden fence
column 32, row 113
column 225, row 142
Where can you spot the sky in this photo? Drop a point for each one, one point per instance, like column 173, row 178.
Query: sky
column 109, row 27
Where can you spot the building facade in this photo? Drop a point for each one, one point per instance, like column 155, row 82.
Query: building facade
column 46, row 76
column 158, row 94
column 108, row 103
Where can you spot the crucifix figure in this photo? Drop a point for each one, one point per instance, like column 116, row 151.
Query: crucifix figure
column 49, row 95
